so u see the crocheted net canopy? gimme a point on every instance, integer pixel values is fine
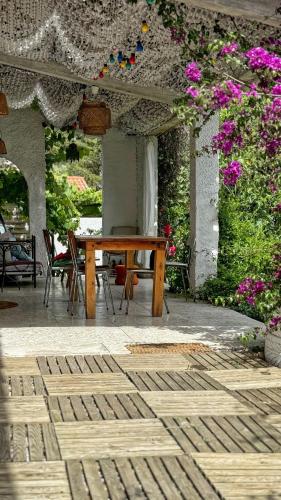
(81, 35)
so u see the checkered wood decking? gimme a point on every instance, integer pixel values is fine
(140, 426)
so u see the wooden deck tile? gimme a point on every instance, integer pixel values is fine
(19, 366)
(126, 438)
(194, 403)
(98, 407)
(28, 442)
(173, 381)
(224, 434)
(254, 378)
(243, 475)
(26, 385)
(23, 409)
(274, 420)
(225, 360)
(34, 481)
(152, 477)
(90, 383)
(265, 401)
(154, 362)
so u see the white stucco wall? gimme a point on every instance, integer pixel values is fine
(23, 135)
(119, 180)
(204, 187)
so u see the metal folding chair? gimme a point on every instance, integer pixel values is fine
(79, 271)
(51, 267)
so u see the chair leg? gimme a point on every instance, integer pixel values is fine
(81, 288)
(104, 291)
(123, 292)
(184, 283)
(166, 304)
(48, 284)
(109, 292)
(98, 280)
(131, 279)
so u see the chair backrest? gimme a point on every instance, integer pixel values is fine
(73, 248)
(48, 245)
(124, 230)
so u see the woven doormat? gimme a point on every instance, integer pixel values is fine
(4, 304)
(166, 348)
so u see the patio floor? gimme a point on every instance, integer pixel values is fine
(202, 426)
(31, 330)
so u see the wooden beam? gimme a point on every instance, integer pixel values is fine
(263, 11)
(59, 71)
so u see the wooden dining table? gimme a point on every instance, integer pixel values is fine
(129, 245)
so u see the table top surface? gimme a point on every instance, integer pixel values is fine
(131, 238)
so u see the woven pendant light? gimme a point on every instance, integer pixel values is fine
(3, 150)
(94, 118)
(4, 110)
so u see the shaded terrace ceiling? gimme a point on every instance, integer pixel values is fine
(50, 48)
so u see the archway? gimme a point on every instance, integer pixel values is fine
(23, 135)
(14, 206)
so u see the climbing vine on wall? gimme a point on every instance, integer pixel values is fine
(173, 195)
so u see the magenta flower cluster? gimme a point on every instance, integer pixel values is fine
(193, 72)
(226, 138)
(249, 289)
(260, 58)
(223, 94)
(192, 91)
(275, 321)
(230, 48)
(231, 173)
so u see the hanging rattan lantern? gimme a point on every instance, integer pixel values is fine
(3, 150)
(4, 110)
(94, 118)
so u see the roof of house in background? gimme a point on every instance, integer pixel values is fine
(78, 182)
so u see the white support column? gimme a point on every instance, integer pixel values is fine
(204, 187)
(119, 180)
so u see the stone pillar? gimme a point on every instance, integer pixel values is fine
(119, 180)
(23, 134)
(204, 187)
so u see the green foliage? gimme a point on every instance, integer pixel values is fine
(249, 226)
(65, 204)
(13, 190)
(173, 194)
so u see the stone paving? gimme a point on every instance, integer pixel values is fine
(30, 329)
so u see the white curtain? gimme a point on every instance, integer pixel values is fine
(150, 192)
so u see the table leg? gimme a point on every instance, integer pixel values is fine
(90, 279)
(129, 262)
(158, 282)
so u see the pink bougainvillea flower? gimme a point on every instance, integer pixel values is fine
(276, 90)
(275, 321)
(260, 58)
(232, 173)
(228, 127)
(192, 72)
(192, 91)
(172, 250)
(229, 49)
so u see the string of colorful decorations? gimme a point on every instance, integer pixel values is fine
(119, 57)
